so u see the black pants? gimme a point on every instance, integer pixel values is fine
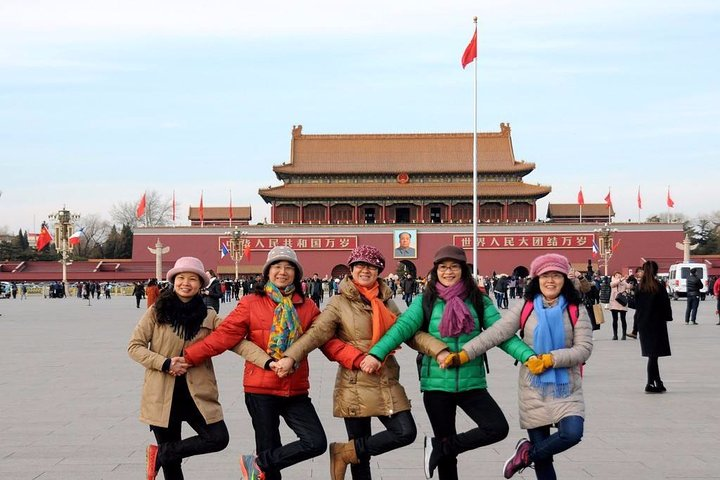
(299, 414)
(172, 448)
(614, 314)
(441, 408)
(400, 431)
(653, 370)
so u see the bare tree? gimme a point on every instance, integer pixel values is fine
(158, 211)
(95, 231)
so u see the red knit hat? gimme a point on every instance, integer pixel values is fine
(550, 262)
(367, 254)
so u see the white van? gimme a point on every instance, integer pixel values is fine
(5, 289)
(677, 277)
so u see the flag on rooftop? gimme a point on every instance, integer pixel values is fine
(608, 200)
(141, 207)
(639, 199)
(581, 198)
(670, 202)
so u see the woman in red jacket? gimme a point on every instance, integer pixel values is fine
(273, 317)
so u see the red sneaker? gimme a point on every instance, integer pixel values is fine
(250, 469)
(151, 454)
(520, 460)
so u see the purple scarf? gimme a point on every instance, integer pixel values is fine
(456, 318)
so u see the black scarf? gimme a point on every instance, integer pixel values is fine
(184, 318)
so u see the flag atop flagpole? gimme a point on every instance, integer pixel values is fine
(470, 52)
(140, 211)
(639, 202)
(608, 202)
(669, 201)
(75, 237)
(469, 55)
(201, 210)
(581, 201)
(173, 207)
(44, 239)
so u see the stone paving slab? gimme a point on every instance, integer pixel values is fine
(69, 400)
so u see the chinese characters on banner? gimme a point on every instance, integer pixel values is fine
(543, 241)
(302, 243)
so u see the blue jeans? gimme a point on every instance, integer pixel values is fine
(693, 301)
(299, 414)
(569, 434)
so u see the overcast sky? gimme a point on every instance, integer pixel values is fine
(101, 100)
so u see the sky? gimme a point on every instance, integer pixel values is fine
(102, 100)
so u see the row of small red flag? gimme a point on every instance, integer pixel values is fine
(608, 199)
(142, 204)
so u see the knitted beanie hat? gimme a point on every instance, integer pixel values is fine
(282, 253)
(367, 254)
(550, 262)
(189, 264)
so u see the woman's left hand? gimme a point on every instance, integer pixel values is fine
(370, 364)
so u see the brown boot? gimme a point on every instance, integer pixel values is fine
(341, 455)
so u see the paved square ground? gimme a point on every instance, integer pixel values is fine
(69, 398)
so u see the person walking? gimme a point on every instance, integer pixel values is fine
(358, 317)
(694, 285)
(152, 292)
(550, 385)
(652, 313)
(408, 288)
(618, 285)
(453, 310)
(716, 292)
(139, 292)
(273, 318)
(169, 396)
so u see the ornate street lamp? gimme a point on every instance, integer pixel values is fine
(64, 222)
(605, 246)
(237, 247)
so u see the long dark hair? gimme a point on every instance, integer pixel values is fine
(649, 282)
(568, 290)
(297, 281)
(430, 294)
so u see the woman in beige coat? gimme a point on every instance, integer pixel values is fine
(351, 324)
(550, 388)
(169, 397)
(618, 285)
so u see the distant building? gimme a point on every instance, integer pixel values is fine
(571, 213)
(401, 178)
(220, 216)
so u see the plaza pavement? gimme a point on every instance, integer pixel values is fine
(69, 398)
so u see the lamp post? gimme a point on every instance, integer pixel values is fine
(605, 246)
(64, 221)
(237, 242)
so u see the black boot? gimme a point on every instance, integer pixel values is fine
(660, 386)
(651, 388)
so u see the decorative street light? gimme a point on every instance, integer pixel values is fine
(64, 221)
(605, 246)
(237, 247)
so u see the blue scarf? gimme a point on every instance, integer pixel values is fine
(549, 335)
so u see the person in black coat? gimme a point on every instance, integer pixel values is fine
(213, 292)
(694, 284)
(652, 314)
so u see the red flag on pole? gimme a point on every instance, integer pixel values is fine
(470, 53)
(173, 205)
(230, 210)
(670, 202)
(639, 199)
(246, 251)
(608, 200)
(201, 210)
(141, 207)
(581, 198)
(44, 238)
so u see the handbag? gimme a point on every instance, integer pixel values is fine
(622, 299)
(599, 313)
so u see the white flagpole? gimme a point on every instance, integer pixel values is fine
(475, 162)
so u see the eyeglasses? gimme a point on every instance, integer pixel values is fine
(448, 268)
(365, 266)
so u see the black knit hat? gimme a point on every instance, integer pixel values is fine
(450, 252)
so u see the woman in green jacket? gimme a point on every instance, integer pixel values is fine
(453, 309)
